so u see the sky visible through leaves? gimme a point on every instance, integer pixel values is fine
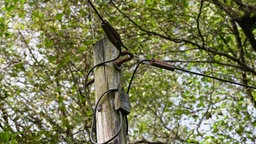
(46, 51)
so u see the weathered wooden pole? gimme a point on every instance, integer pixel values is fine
(107, 77)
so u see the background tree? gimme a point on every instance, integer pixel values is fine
(46, 52)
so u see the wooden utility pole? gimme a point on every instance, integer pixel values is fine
(107, 77)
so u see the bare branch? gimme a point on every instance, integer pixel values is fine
(198, 23)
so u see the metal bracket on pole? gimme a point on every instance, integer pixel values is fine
(161, 64)
(127, 57)
(122, 102)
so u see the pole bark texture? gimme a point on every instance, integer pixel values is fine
(107, 77)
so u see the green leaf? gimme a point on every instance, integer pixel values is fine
(59, 16)
(13, 142)
(254, 123)
(5, 136)
(51, 59)
(148, 2)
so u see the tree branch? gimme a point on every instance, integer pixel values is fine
(198, 23)
(144, 141)
(176, 40)
(247, 23)
(245, 8)
(244, 75)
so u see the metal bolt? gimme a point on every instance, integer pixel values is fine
(99, 108)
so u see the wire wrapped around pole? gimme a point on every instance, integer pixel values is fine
(93, 126)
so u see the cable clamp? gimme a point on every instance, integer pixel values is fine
(127, 57)
(122, 102)
(161, 64)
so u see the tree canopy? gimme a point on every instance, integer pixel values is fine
(46, 51)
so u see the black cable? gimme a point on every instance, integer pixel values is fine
(90, 71)
(191, 72)
(96, 11)
(134, 72)
(216, 78)
(129, 86)
(93, 126)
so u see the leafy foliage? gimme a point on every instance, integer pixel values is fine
(46, 51)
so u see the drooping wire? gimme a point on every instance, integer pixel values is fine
(129, 86)
(133, 74)
(93, 126)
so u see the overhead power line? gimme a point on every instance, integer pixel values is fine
(216, 78)
(168, 66)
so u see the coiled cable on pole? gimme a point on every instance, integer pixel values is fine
(93, 126)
